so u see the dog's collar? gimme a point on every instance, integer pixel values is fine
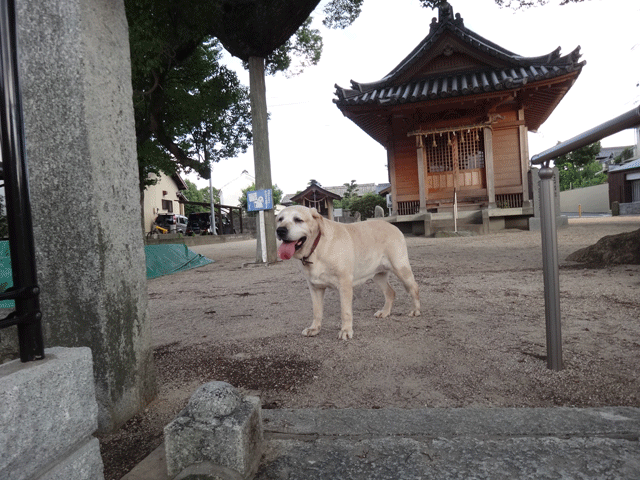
(305, 260)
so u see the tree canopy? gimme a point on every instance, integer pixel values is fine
(580, 168)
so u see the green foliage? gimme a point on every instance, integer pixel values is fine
(305, 46)
(350, 194)
(189, 109)
(193, 194)
(580, 168)
(366, 205)
(625, 155)
(341, 13)
(242, 202)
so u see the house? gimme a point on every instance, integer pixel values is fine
(608, 155)
(453, 117)
(624, 186)
(163, 197)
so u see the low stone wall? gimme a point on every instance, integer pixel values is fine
(48, 417)
(630, 208)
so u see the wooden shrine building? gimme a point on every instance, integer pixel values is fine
(314, 196)
(453, 117)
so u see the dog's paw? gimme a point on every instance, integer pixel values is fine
(381, 314)
(345, 334)
(414, 313)
(310, 332)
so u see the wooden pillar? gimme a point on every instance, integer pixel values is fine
(422, 184)
(524, 159)
(391, 165)
(488, 166)
(454, 160)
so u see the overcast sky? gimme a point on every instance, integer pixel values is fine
(310, 138)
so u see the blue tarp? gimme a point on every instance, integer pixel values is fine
(161, 260)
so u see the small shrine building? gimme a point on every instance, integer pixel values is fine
(453, 117)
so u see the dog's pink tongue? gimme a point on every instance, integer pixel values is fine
(286, 250)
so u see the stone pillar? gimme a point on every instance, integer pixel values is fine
(561, 220)
(218, 429)
(83, 172)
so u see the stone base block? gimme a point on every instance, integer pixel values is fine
(219, 427)
(49, 413)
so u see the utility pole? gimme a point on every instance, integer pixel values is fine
(262, 161)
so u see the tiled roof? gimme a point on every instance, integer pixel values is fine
(495, 69)
(627, 166)
(453, 85)
(361, 189)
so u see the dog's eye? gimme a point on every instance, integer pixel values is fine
(298, 220)
(279, 219)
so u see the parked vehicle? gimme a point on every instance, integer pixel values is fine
(172, 222)
(199, 224)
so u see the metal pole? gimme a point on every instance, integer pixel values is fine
(550, 268)
(21, 242)
(213, 214)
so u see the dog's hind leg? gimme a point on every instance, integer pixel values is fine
(404, 273)
(382, 280)
(317, 298)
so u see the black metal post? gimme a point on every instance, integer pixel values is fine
(27, 315)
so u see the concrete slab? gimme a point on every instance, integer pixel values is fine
(465, 443)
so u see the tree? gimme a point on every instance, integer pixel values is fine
(189, 110)
(193, 194)
(350, 194)
(366, 205)
(580, 168)
(276, 194)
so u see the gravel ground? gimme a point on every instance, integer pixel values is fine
(479, 342)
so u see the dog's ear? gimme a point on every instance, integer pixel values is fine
(315, 214)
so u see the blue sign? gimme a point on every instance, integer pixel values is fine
(259, 200)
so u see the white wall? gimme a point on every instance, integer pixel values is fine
(153, 197)
(592, 199)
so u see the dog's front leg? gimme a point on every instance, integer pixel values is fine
(346, 305)
(317, 297)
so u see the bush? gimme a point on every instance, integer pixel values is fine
(366, 205)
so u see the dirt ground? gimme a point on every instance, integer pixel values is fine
(480, 341)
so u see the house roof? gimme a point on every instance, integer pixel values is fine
(610, 153)
(627, 166)
(361, 189)
(339, 191)
(453, 61)
(314, 190)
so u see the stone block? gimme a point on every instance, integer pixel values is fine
(49, 413)
(218, 426)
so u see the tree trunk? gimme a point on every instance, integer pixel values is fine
(266, 247)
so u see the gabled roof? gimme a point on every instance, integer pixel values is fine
(453, 61)
(316, 190)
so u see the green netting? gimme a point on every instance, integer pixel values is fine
(6, 277)
(171, 258)
(161, 260)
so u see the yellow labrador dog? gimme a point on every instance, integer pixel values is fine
(340, 256)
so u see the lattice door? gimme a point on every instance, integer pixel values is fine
(455, 159)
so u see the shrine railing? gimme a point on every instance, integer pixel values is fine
(25, 291)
